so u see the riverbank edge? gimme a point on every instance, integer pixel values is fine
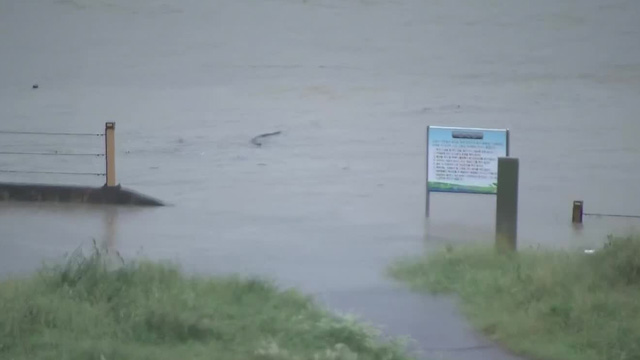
(540, 303)
(150, 309)
(117, 195)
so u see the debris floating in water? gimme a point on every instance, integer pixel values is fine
(257, 139)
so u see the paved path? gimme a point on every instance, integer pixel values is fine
(434, 323)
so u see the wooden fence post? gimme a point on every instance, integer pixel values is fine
(110, 152)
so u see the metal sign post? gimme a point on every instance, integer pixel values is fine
(507, 205)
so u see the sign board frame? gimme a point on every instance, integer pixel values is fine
(466, 135)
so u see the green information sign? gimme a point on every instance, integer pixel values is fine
(464, 160)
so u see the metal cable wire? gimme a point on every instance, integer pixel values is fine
(47, 133)
(45, 153)
(613, 215)
(55, 153)
(51, 172)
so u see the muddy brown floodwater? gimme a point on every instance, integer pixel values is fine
(328, 203)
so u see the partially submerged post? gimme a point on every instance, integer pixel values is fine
(110, 153)
(507, 204)
(577, 213)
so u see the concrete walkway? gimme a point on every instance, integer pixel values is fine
(358, 285)
(434, 323)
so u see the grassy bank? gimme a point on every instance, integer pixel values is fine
(548, 305)
(145, 310)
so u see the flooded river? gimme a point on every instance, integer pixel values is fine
(352, 85)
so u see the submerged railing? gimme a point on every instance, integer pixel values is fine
(107, 152)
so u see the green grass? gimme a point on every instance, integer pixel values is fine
(544, 304)
(88, 309)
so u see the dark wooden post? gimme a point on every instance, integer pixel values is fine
(507, 204)
(578, 211)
